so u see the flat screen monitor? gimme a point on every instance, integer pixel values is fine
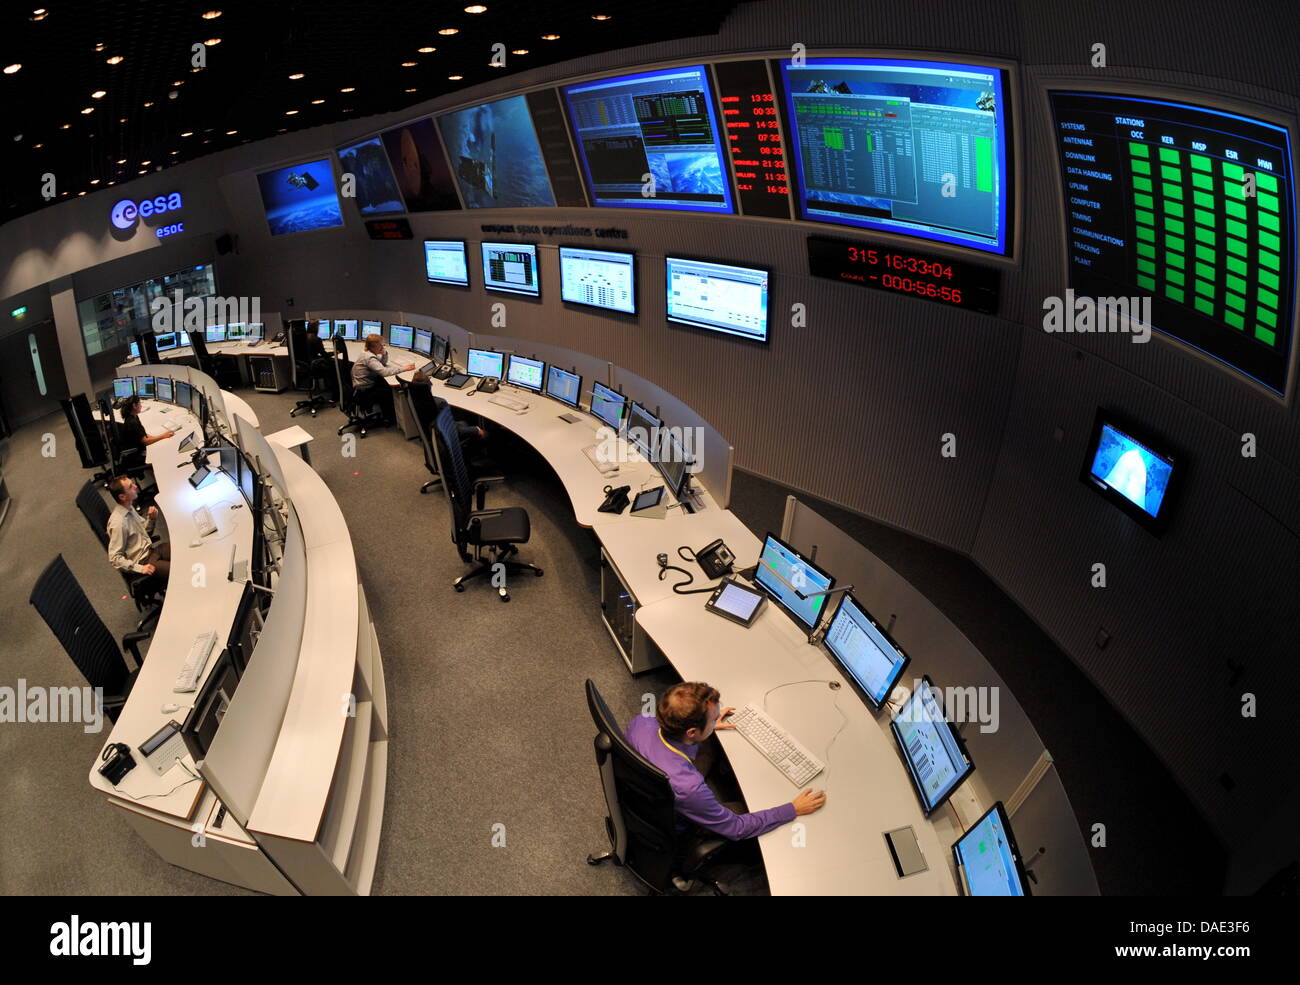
(123, 386)
(440, 350)
(401, 336)
(215, 333)
(1181, 219)
(236, 333)
(608, 405)
(496, 157)
(199, 406)
(598, 278)
(1131, 470)
(673, 463)
(164, 388)
(445, 262)
(144, 386)
(257, 330)
(783, 573)
(324, 330)
(184, 340)
(248, 482)
(134, 350)
(988, 859)
(184, 395)
(483, 362)
(300, 198)
(204, 718)
(511, 267)
(231, 461)
(718, 296)
(864, 651)
(932, 749)
(643, 431)
(661, 123)
(420, 167)
(563, 385)
(369, 328)
(423, 342)
(347, 327)
(901, 146)
(527, 373)
(375, 189)
(166, 341)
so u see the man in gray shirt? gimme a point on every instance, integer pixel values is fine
(369, 377)
(130, 542)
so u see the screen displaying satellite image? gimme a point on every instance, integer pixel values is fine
(300, 198)
(494, 152)
(376, 191)
(420, 168)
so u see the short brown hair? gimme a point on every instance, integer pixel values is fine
(118, 485)
(371, 339)
(685, 706)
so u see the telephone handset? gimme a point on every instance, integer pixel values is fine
(616, 499)
(488, 384)
(715, 559)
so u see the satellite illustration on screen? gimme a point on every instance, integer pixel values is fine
(1134, 472)
(494, 151)
(300, 198)
(419, 167)
(376, 191)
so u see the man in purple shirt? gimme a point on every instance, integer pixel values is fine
(686, 716)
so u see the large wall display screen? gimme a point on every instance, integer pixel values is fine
(902, 146)
(376, 191)
(657, 124)
(420, 167)
(300, 198)
(495, 155)
(1191, 208)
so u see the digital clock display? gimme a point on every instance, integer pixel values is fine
(749, 119)
(933, 278)
(389, 228)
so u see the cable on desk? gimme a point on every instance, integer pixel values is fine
(834, 686)
(680, 586)
(149, 796)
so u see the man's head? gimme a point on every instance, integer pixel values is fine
(688, 712)
(124, 489)
(419, 377)
(375, 344)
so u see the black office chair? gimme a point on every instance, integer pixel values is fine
(311, 369)
(642, 820)
(424, 405)
(223, 368)
(472, 525)
(145, 590)
(72, 619)
(358, 416)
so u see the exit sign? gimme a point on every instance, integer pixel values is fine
(18, 312)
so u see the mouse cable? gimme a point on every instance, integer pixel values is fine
(834, 685)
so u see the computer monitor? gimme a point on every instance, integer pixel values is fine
(673, 463)
(400, 336)
(229, 459)
(324, 329)
(257, 330)
(249, 483)
(144, 386)
(210, 705)
(199, 406)
(236, 333)
(184, 394)
(607, 405)
(134, 350)
(245, 629)
(511, 267)
(933, 751)
(988, 859)
(371, 328)
(1131, 471)
(215, 333)
(184, 340)
(563, 385)
(530, 374)
(166, 341)
(721, 297)
(598, 278)
(486, 363)
(423, 342)
(440, 350)
(643, 431)
(123, 386)
(782, 572)
(164, 388)
(445, 262)
(347, 327)
(864, 651)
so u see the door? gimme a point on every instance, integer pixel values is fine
(31, 374)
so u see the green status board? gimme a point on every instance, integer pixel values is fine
(1191, 207)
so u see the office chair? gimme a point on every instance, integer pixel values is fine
(310, 365)
(124, 461)
(424, 406)
(358, 417)
(642, 820)
(70, 616)
(224, 369)
(471, 525)
(145, 590)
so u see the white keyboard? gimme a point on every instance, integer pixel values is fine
(171, 425)
(593, 455)
(195, 661)
(501, 400)
(203, 520)
(781, 749)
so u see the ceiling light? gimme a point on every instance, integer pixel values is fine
(188, 133)
(94, 181)
(88, 110)
(450, 30)
(282, 130)
(212, 41)
(123, 161)
(178, 82)
(196, 68)
(144, 171)
(66, 126)
(173, 94)
(317, 102)
(477, 8)
(122, 120)
(550, 37)
(349, 89)
(290, 112)
(79, 194)
(410, 90)
(519, 51)
(174, 152)
(17, 137)
(408, 64)
(427, 50)
(11, 69)
(98, 94)
(602, 17)
(231, 133)
(148, 104)
(211, 15)
(115, 60)
(348, 109)
(145, 164)
(39, 14)
(296, 76)
(101, 46)
(455, 78)
(37, 146)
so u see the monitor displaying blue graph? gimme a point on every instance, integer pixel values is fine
(784, 574)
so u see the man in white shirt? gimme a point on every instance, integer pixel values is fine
(370, 373)
(130, 541)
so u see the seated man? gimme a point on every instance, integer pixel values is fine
(369, 377)
(470, 434)
(686, 716)
(130, 542)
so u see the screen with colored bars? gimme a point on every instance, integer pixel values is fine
(527, 373)
(325, 330)
(988, 855)
(864, 651)
(902, 146)
(1188, 215)
(782, 572)
(510, 267)
(164, 389)
(934, 757)
(598, 278)
(347, 327)
(444, 262)
(481, 362)
(123, 387)
(563, 385)
(215, 333)
(371, 328)
(400, 336)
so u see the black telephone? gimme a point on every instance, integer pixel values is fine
(488, 384)
(118, 762)
(616, 499)
(716, 559)
(444, 371)
(278, 340)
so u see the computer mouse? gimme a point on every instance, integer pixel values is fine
(168, 709)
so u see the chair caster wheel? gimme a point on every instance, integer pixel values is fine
(505, 598)
(459, 588)
(313, 413)
(363, 432)
(340, 432)
(539, 572)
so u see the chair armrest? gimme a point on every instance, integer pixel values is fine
(480, 488)
(484, 514)
(698, 852)
(132, 641)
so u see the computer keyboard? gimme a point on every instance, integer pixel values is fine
(593, 455)
(501, 400)
(171, 425)
(781, 749)
(203, 520)
(195, 661)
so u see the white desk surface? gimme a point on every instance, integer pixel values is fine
(189, 610)
(868, 791)
(290, 437)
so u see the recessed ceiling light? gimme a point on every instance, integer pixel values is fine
(11, 69)
(348, 89)
(196, 68)
(519, 51)
(94, 181)
(550, 37)
(348, 109)
(17, 137)
(290, 112)
(148, 104)
(450, 30)
(476, 8)
(188, 133)
(79, 194)
(496, 65)
(427, 50)
(66, 126)
(115, 60)
(123, 161)
(212, 41)
(98, 94)
(122, 120)
(101, 46)
(144, 171)
(178, 82)
(317, 102)
(455, 78)
(602, 17)
(231, 133)
(282, 130)
(297, 75)
(410, 90)
(408, 64)
(211, 15)
(37, 146)
(39, 14)
(88, 110)
(174, 152)
(173, 94)
(145, 164)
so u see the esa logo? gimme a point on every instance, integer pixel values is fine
(126, 212)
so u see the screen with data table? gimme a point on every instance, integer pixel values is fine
(511, 267)
(865, 651)
(718, 296)
(599, 278)
(445, 263)
(935, 759)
